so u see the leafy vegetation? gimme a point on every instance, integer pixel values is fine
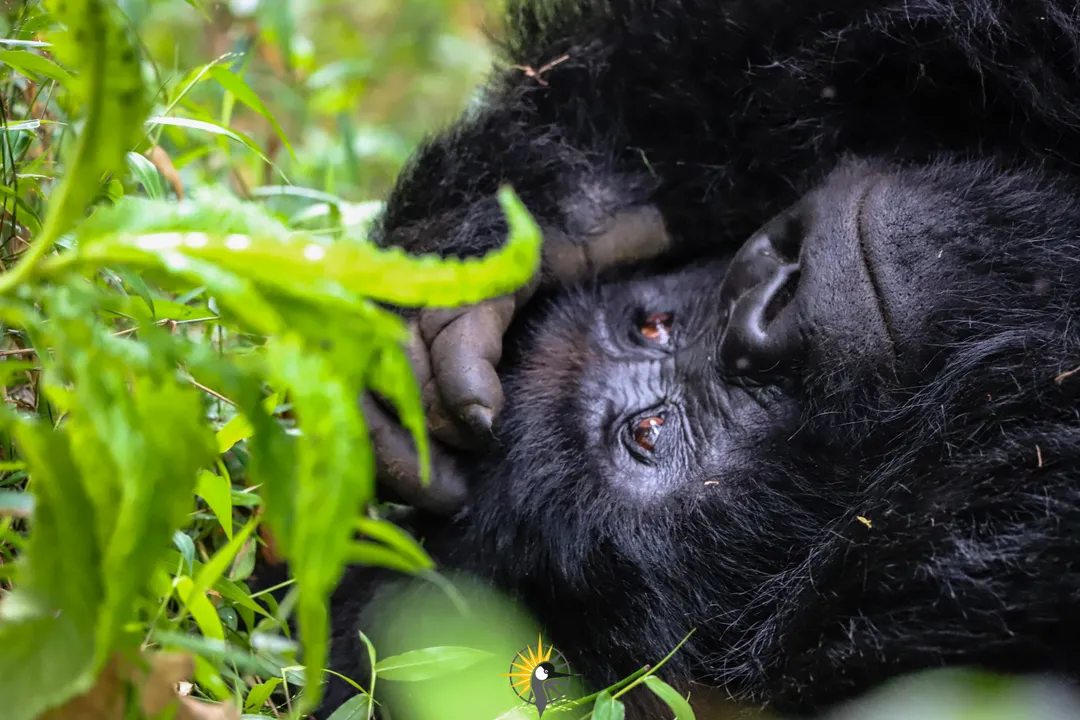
(183, 354)
(189, 310)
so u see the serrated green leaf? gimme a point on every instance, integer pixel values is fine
(428, 663)
(299, 264)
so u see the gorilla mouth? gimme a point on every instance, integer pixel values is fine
(862, 239)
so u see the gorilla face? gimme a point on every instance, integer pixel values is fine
(685, 451)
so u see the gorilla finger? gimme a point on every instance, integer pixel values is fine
(397, 465)
(434, 320)
(630, 235)
(463, 360)
(418, 355)
(441, 423)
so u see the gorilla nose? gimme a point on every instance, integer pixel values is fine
(761, 331)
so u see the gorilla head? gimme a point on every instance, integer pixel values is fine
(841, 454)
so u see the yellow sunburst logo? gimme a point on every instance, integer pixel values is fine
(524, 665)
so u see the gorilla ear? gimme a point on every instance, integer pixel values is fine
(397, 466)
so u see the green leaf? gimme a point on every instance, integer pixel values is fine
(217, 492)
(428, 663)
(210, 127)
(397, 539)
(200, 607)
(32, 65)
(240, 89)
(358, 707)
(47, 648)
(147, 175)
(671, 698)
(608, 708)
(183, 542)
(372, 554)
(109, 86)
(298, 264)
(259, 694)
(219, 563)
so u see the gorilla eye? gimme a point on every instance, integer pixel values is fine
(657, 328)
(647, 431)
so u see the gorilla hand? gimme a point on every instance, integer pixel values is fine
(455, 350)
(454, 353)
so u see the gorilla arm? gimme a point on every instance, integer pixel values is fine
(710, 115)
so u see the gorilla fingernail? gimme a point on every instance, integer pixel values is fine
(478, 417)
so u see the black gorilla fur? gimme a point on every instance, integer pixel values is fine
(956, 434)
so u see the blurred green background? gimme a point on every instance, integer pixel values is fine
(353, 86)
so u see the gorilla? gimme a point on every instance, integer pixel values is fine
(800, 368)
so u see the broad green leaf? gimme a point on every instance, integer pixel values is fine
(240, 90)
(31, 65)
(217, 492)
(238, 428)
(393, 379)
(608, 708)
(671, 698)
(428, 663)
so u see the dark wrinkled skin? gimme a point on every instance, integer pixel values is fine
(870, 459)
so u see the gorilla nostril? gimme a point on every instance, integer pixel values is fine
(760, 283)
(760, 337)
(786, 234)
(783, 295)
